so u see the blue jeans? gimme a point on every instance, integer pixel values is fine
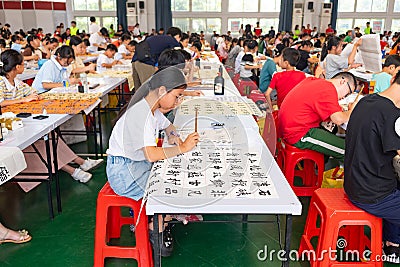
(389, 210)
(128, 178)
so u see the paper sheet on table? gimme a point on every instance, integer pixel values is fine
(371, 54)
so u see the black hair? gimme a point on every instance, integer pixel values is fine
(397, 78)
(53, 40)
(252, 44)
(248, 58)
(2, 43)
(7, 25)
(186, 54)
(278, 50)
(184, 36)
(132, 43)
(92, 19)
(112, 47)
(104, 32)
(10, 59)
(197, 45)
(14, 38)
(125, 37)
(73, 22)
(65, 51)
(30, 39)
(173, 31)
(392, 60)
(75, 40)
(329, 44)
(306, 43)
(347, 75)
(86, 42)
(171, 57)
(291, 55)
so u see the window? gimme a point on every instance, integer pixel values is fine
(94, 5)
(82, 23)
(206, 5)
(371, 5)
(377, 25)
(270, 5)
(343, 25)
(243, 6)
(180, 5)
(266, 24)
(107, 21)
(397, 6)
(346, 5)
(207, 25)
(182, 23)
(396, 25)
(108, 5)
(234, 23)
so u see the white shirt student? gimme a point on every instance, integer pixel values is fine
(96, 40)
(94, 27)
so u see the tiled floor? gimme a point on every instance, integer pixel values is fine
(67, 240)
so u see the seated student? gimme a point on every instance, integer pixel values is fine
(54, 71)
(106, 60)
(127, 47)
(196, 49)
(333, 62)
(389, 69)
(224, 47)
(49, 45)
(14, 91)
(313, 101)
(248, 64)
(16, 43)
(233, 53)
(2, 45)
(97, 40)
(268, 71)
(372, 141)
(305, 49)
(285, 81)
(16, 237)
(31, 51)
(248, 46)
(79, 49)
(132, 145)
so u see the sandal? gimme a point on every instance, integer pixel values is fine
(23, 237)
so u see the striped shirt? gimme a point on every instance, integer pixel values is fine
(18, 91)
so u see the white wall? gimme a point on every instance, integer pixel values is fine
(14, 18)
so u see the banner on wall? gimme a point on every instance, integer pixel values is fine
(235, 25)
(377, 26)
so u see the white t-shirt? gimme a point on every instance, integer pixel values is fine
(122, 49)
(96, 38)
(136, 129)
(103, 59)
(94, 27)
(238, 61)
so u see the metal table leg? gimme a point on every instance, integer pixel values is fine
(288, 236)
(49, 169)
(157, 241)
(100, 131)
(54, 143)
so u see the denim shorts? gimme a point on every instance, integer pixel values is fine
(128, 178)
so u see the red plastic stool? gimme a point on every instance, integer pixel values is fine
(246, 86)
(236, 80)
(108, 225)
(336, 211)
(289, 156)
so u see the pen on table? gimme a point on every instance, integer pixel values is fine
(195, 119)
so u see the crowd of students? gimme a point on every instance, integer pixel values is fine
(278, 62)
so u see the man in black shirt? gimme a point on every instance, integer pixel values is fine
(372, 141)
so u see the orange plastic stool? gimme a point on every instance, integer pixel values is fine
(289, 156)
(246, 86)
(108, 225)
(336, 211)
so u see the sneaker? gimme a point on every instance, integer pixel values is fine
(81, 175)
(167, 244)
(391, 254)
(91, 164)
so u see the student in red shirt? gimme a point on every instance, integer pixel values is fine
(329, 30)
(285, 81)
(313, 101)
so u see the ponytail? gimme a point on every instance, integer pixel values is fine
(329, 43)
(9, 59)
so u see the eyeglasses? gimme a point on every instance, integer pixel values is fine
(179, 98)
(348, 85)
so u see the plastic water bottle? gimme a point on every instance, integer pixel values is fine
(84, 82)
